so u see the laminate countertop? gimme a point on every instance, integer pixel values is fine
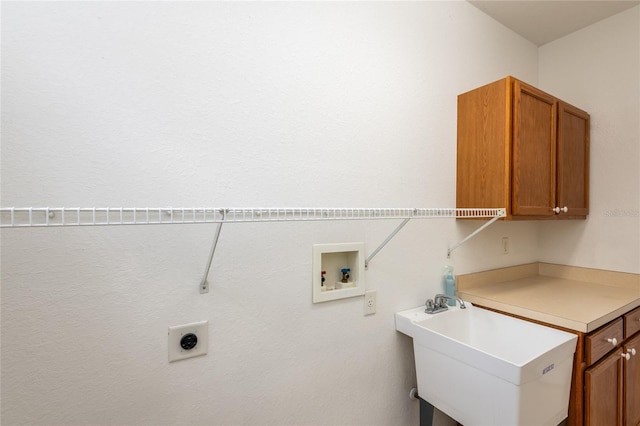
(580, 299)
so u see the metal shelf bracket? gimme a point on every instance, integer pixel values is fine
(384, 243)
(204, 284)
(501, 214)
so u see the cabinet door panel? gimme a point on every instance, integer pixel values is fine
(603, 392)
(573, 159)
(632, 383)
(534, 151)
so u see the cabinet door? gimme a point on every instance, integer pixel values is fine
(572, 160)
(603, 392)
(632, 383)
(534, 151)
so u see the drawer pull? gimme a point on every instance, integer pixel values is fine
(625, 356)
(632, 351)
(613, 341)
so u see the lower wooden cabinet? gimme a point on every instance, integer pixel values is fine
(612, 376)
(603, 392)
(631, 369)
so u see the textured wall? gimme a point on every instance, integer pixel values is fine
(598, 70)
(231, 104)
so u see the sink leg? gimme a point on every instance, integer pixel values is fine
(426, 413)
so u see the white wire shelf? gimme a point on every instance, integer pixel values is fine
(30, 217)
(20, 217)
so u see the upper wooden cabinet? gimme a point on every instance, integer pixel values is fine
(522, 149)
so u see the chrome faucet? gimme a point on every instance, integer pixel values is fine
(439, 303)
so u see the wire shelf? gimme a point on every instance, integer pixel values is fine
(19, 217)
(26, 217)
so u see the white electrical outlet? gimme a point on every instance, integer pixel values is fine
(505, 245)
(188, 341)
(369, 302)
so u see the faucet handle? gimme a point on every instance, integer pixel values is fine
(441, 300)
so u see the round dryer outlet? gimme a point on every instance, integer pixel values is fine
(188, 341)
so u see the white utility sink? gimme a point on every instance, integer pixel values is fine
(484, 368)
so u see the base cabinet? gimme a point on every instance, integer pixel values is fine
(612, 374)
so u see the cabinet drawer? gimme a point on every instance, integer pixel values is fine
(631, 323)
(597, 344)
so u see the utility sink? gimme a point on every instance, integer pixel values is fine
(484, 368)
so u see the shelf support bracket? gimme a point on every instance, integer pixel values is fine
(384, 243)
(204, 284)
(501, 214)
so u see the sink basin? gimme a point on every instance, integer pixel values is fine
(484, 368)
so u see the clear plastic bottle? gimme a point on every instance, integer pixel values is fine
(450, 285)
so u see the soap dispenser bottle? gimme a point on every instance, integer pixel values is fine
(450, 285)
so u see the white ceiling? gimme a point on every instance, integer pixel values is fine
(543, 21)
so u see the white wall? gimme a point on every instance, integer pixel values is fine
(231, 104)
(598, 70)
